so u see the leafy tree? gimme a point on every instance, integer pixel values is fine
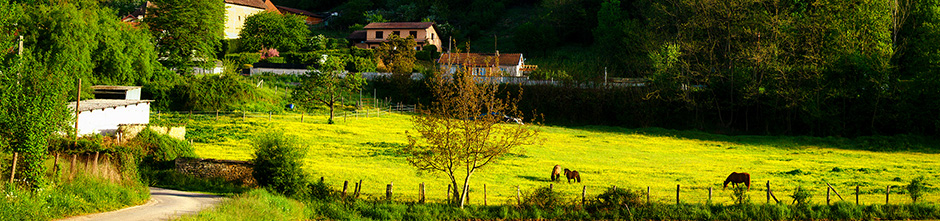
(461, 131)
(271, 30)
(278, 161)
(327, 85)
(32, 110)
(186, 31)
(398, 54)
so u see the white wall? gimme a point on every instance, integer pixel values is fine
(106, 121)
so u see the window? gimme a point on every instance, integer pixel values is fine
(396, 33)
(413, 34)
(379, 34)
(432, 36)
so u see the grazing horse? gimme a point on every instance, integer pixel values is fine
(556, 173)
(736, 178)
(572, 175)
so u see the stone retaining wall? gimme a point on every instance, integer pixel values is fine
(238, 172)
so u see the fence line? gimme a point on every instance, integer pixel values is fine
(681, 195)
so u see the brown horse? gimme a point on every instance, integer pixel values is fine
(736, 178)
(556, 173)
(572, 175)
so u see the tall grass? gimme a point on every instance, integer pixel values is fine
(257, 204)
(82, 195)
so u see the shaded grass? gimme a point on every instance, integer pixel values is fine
(256, 204)
(365, 149)
(83, 195)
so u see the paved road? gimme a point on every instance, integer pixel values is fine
(164, 204)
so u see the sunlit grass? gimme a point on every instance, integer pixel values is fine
(365, 148)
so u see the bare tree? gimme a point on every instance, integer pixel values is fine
(465, 129)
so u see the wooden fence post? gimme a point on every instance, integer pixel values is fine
(677, 194)
(551, 186)
(828, 189)
(269, 116)
(647, 194)
(358, 188)
(388, 192)
(301, 116)
(768, 191)
(72, 166)
(709, 194)
(518, 197)
(13, 169)
(421, 197)
(484, 194)
(96, 163)
(216, 115)
(856, 195)
(321, 179)
(345, 185)
(583, 192)
(55, 164)
(887, 192)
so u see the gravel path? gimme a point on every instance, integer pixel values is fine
(164, 204)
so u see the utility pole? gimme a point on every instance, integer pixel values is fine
(21, 46)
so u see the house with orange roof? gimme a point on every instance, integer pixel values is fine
(484, 64)
(375, 34)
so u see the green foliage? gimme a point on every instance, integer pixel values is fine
(739, 195)
(542, 198)
(277, 164)
(398, 54)
(616, 199)
(186, 31)
(162, 148)
(801, 196)
(915, 189)
(212, 93)
(256, 204)
(82, 195)
(166, 176)
(244, 58)
(326, 86)
(285, 33)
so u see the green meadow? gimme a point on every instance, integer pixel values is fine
(365, 148)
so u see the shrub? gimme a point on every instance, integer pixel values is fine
(801, 196)
(160, 147)
(916, 187)
(542, 198)
(616, 199)
(275, 60)
(277, 164)
(739, 195)
(244, 58)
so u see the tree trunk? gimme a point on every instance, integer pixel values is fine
(466, 187)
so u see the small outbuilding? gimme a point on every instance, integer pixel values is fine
(103, 116)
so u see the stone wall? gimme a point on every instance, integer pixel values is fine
(238, 172)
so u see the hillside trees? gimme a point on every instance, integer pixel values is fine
(462, 131)
(398, 54)
(186, 31)
(285, 33)
(327, 85)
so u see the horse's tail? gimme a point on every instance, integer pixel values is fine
(577, 176)
(747, 180)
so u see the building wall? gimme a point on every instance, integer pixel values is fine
(235, 18)
(106, 121)
(238, 172)
(429, 35)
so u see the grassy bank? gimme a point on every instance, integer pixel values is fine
(365, 149)
(83, 195)
(256, 204)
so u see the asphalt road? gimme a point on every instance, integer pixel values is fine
(164, 204)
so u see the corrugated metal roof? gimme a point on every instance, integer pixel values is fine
(399, 25)
(114, 87)
(98, 104)
(480, 59)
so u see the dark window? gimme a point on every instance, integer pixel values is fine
(413, 34)
(379, 34)
(396, 33)
(432, 35)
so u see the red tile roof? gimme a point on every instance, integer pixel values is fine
(480, 59)
(399, 25)
(359, 35)
(249, 3)
(298, 12)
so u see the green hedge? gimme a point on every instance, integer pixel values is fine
(244, 58)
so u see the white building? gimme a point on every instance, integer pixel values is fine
(103, 116)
